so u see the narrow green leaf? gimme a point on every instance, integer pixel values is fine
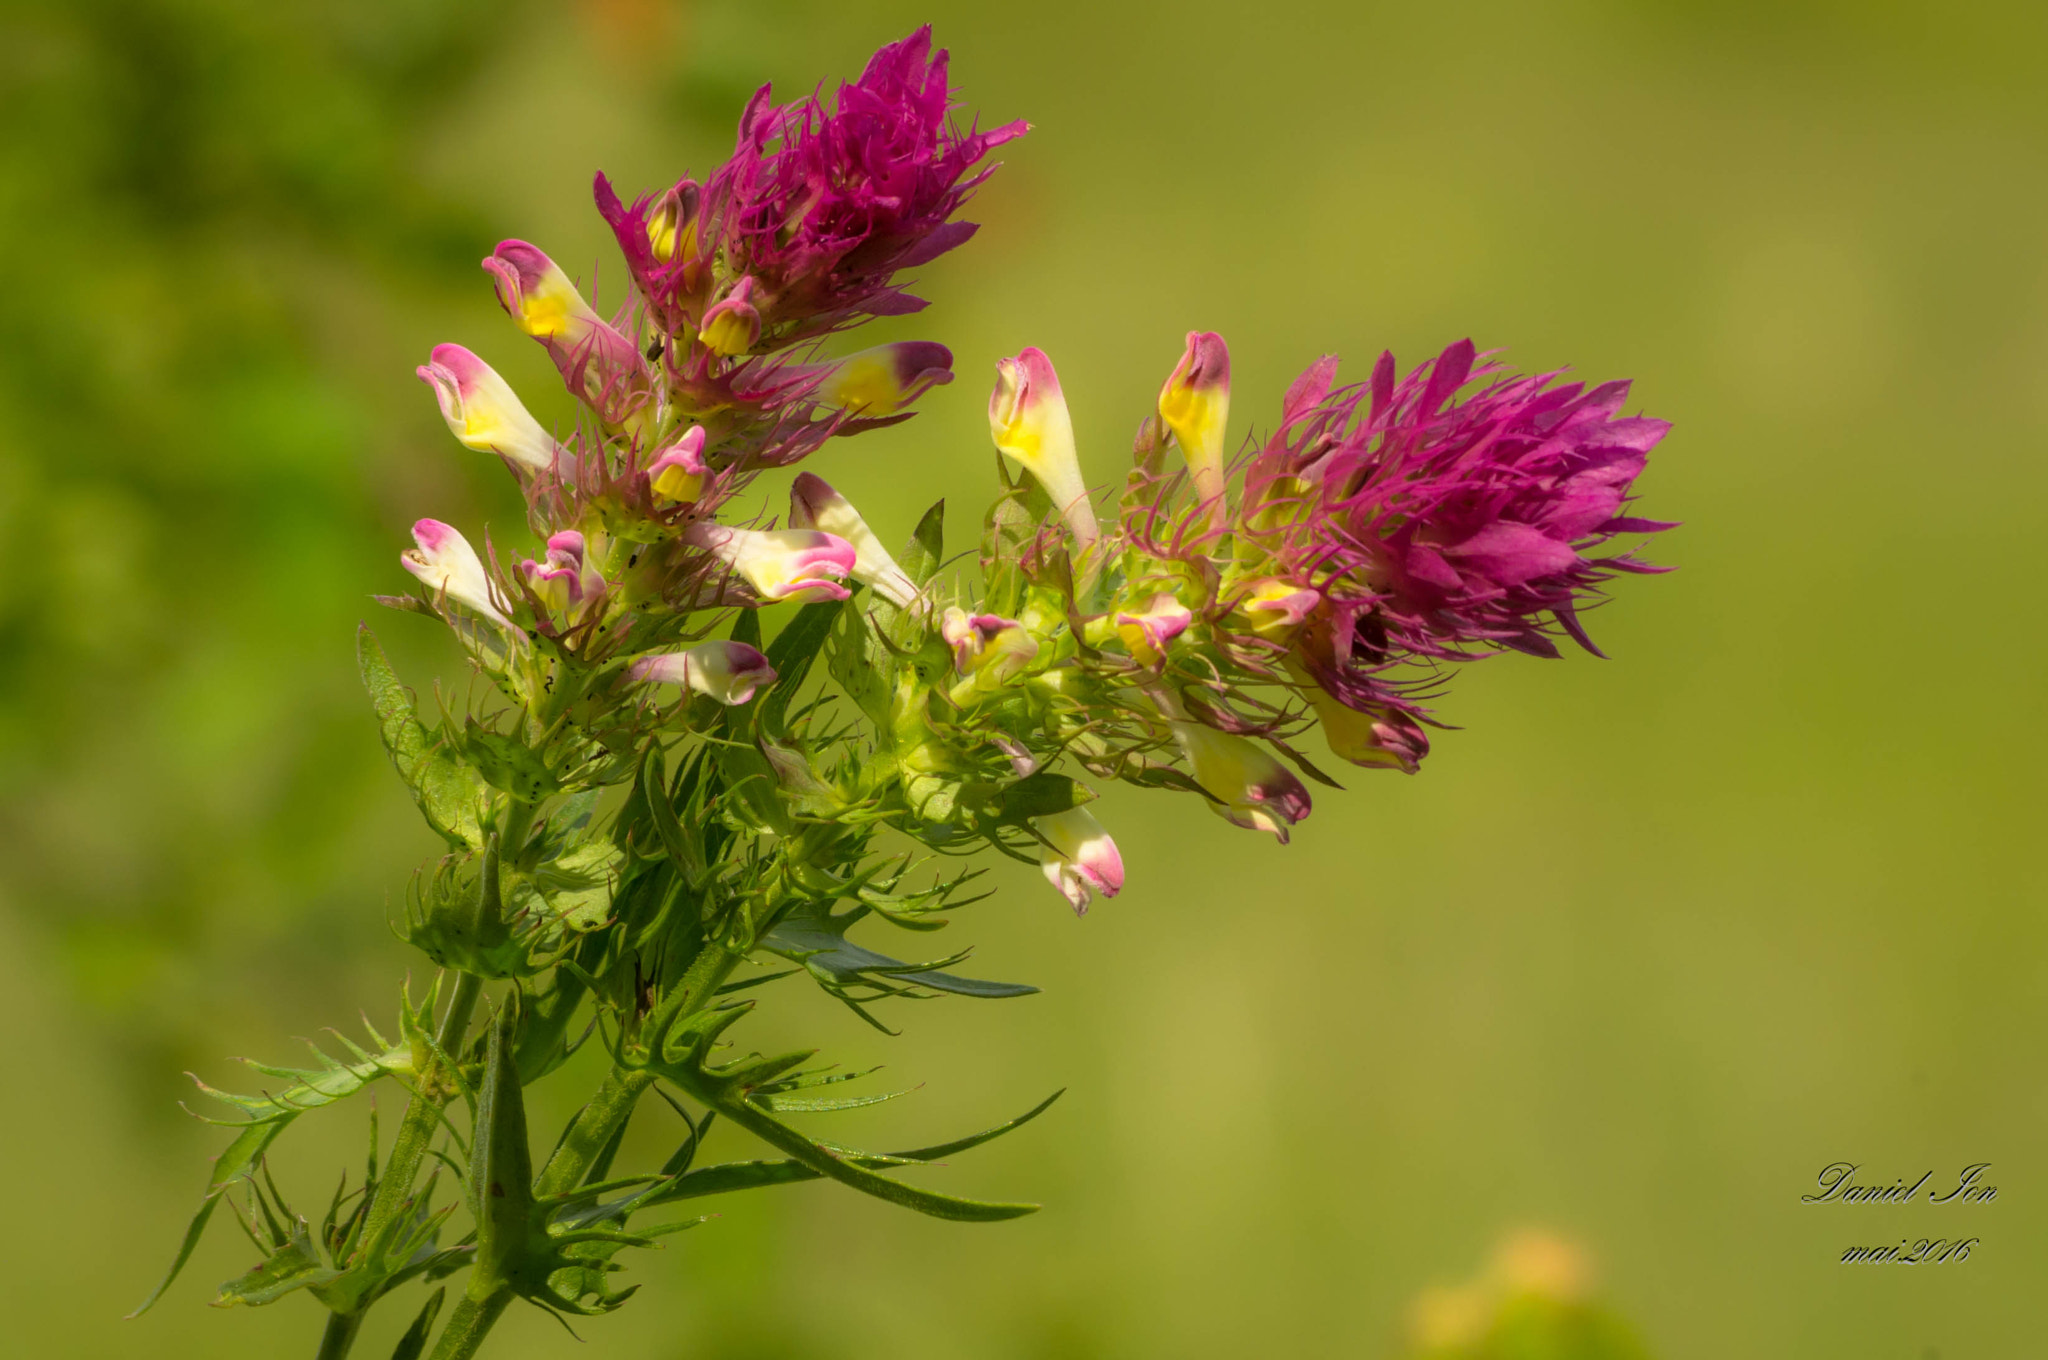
(232, 1164)
(926, 549)
(414, 1343)
(292, 1267)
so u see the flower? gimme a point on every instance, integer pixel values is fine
(1147, 632)
(733, 326)
(1275, 609)
(781, 564)
(599, 364)
(1027, 417)
(678, 471)
(1460, 522)
(1079, 858)
(879, 382)
(446, 565)
(1195, 404)
(1248, 787)
(1382, 735)
(566, 583)
(988, 648)
(729, 672)
(813, 504)
(482, 410)
(824, 205)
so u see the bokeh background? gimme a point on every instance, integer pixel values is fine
(1648, 942)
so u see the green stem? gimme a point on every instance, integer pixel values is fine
(422, 1116)
(472, 1321)
(339, 1336)
(623, 1086)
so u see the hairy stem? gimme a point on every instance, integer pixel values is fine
(623, 1086)
(339, 1336)
(471, 1322)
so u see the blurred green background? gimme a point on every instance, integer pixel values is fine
(1647, 943)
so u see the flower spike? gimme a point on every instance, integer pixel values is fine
(483, 412)
(1195, 404)
(1027, 416)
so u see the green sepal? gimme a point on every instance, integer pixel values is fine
(1043, 794)
(507, 763)
(451, 795)
(926, 550)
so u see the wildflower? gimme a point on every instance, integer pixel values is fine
(823, 205)
(1275, 609)
(1079, 858)
(482, 410)
(672, 225)
(1248, 787)
(733, 326)
(447, 566)
(987, 648)
(781, 564)
(729, 672)
(1195, 404)
(1027, 416)
(1146, 632)
(879, 382)
(1471, 522)
(1380, 735)
(599, 364)
(813, 504)
(566, 583)
(678, 471)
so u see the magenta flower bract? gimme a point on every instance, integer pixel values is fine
(822, 203)
(1449, 526)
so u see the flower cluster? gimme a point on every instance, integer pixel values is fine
(798, 721)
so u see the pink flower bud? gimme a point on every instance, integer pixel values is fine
(729, 672)
(566, 583)
(1027, 416)
(678, 471)
(813, 504)
(1079, 858)
(672, 224)
(1250, 788)
(987, 647)
(482, 410)
(1147, 632)
(733, 326)
(882, 381)
(781, 564)
(1195, 403)
(1387, 738)
(448, 567)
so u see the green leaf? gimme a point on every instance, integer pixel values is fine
(818, 941)
(232, 1164)
(451, 795)
(414, 1343)
(292, 1267)
(733, 1176)
(926, 549)
(791, 654)
(310, 1087)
